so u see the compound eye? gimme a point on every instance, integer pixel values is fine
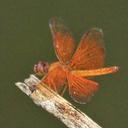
(41, 68)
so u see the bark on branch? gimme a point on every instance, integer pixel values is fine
(49, 100)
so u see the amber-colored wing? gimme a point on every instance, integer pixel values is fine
(90, 53)
(96, 72)
(62, 40)
(55, 79)
(81, 89)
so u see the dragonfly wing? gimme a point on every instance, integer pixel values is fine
(62, 40)
(90, 53)
(55, 78)
(96, 72)
(80, 89)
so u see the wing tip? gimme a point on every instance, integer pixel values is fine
(52, 21)
(96, 29)
(85, 101)
(57, 24)
(55, 20)
(115, 69)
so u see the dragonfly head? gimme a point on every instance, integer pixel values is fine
(41, 68)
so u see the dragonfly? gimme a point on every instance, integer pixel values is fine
(76, 66)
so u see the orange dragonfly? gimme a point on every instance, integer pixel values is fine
(75, 67)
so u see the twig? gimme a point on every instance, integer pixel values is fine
(49, 100)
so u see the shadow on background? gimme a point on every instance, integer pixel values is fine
(25, 38)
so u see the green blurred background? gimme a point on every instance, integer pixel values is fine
(25, 38)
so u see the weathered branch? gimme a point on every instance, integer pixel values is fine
(43, 96)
